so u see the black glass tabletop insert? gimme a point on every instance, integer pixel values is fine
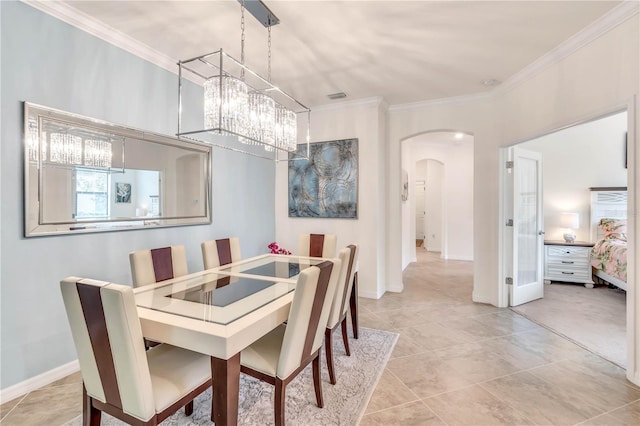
(223, 291)
(278, 269)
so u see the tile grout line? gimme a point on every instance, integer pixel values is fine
(607, 412)
(502, 400)
(434, 413)
(14, 407)
(567, 338)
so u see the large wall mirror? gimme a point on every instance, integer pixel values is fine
(86, 175)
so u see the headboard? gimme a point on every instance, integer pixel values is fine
(607, 203)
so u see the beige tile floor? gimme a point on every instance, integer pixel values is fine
(455, 363)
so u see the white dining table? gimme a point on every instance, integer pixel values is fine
(219, 312)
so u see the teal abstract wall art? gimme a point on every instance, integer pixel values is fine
(325, 185)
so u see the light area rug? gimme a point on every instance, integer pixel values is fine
(592, 318)
(344, 403)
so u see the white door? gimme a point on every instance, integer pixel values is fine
(420, 212)
(527, 239)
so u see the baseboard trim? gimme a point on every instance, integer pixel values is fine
(370, 294)
(465, 258)
(481, 299)
(29, 385)
(395, 288)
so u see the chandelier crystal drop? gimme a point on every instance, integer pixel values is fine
(97, 153)
(261, 118)
(286, 130)
(65, 148)
(226, 104)
(34, 142)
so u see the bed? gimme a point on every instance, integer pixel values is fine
(609, 233)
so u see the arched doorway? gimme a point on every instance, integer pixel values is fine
(454, 151)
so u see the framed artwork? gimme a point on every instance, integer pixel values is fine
(123, 192)
(325, 185)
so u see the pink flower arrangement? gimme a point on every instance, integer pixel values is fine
(277, 250)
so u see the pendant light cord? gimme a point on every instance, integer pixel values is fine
(242, 37)
(269, 56)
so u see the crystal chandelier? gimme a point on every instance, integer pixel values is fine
(68, 149)
(262, 115)
(226, 101)
(241, 103)
(59, 144)
(33, 142)
(97, 153)
(65, 149)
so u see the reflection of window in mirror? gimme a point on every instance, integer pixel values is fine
(92, 194)
(155, 205)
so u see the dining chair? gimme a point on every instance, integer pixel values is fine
(155, 265)
(317, 245)
(119, 377)
(220, 252)
(340, 306)
(159, 264)
(279, 356)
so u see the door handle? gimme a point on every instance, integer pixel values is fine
(540, 232)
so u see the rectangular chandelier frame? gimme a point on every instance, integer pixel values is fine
(219, 63)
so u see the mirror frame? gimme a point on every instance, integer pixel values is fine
(33, 223)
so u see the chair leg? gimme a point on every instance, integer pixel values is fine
(278, 402)
(328, 346)
(353, 305)
(188, 409)
(317, 383)
(90, 415)
(345, 338)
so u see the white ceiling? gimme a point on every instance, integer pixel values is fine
(403, 51)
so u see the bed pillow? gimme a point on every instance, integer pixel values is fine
(613, 229)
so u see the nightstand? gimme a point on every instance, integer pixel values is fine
(568, 262)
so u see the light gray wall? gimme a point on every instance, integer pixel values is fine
(575, 159)
(51, 63)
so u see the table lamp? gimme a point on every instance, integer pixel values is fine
(570, 221)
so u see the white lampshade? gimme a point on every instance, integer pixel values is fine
(570, 220)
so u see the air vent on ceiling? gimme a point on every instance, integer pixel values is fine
(338, 95)
(490, 82)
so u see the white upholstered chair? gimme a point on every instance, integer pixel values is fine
(279, 356)
(317, 245)
(220, 252)
(155, 265)
(119, 377)
(340, 306)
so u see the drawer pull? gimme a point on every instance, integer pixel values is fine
(568, 273)
(570, 263)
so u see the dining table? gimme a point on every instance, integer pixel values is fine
(221, 311)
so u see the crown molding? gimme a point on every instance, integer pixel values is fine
(364, 102)
(616, 16)
(601, 26)
(432, 102)
(597, 29)
(99, 29)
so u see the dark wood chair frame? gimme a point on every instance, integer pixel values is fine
(92, 409)
(342, 321)
(308, 356)
(281, 384)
